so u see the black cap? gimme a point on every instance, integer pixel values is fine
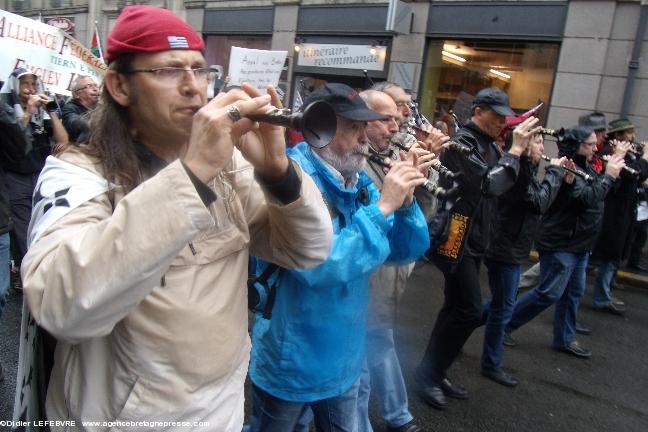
(594, 120)
(345, 101)
(495, 99)
(571, 139)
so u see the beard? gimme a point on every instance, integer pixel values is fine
(348, 164)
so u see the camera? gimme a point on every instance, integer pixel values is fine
(51, 105)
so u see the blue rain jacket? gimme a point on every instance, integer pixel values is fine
(313, 346)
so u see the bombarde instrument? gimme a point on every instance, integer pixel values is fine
(625, 168)
(317, 122)
(400, 140)
(429, 185)
(575, 171)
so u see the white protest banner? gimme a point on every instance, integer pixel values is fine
(257, 67)
(53, 55)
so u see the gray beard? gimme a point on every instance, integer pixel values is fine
(348, 165)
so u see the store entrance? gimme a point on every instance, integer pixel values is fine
(304, 84)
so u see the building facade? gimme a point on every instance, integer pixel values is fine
(572, 56)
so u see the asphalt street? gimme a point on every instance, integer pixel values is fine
(557, 392)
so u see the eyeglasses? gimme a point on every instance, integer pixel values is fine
(175, 75)
(589, 143)
(88, 86)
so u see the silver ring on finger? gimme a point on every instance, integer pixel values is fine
(234, 113)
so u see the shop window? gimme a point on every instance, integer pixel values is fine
(60, 3)
(19, 5)
(457, 69)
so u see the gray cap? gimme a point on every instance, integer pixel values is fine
(594, 120)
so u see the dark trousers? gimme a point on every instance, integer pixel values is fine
(460, 316)
(640, 236)
(20, 188)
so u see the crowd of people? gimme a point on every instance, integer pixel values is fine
(141, 216)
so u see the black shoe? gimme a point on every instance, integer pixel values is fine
(454, 391)
(509, 341)
(500, 377)
(583, 329)
(410, 426)
(611, 308)
(433, 396)
(575, 349)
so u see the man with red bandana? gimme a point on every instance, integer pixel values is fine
(140, 239)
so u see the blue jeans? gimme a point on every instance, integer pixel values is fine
(271, 414)
(382, 375)
(602, 289)
(562, 281)
(4, 270)
(503, 280)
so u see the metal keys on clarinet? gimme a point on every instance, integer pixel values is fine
(401, 139)
(576, 171)
(429, 185)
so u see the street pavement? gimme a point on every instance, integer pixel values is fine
(557, 392)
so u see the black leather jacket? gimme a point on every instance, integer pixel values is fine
(74, 117)
(486, 174)
(518, 213)
(620, 213)
(13, 144)
(573, 221)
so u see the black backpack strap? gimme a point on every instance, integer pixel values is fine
(270, 290)
(263, 277)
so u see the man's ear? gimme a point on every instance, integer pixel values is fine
(118, 86)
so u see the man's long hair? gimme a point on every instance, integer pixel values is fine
(111, 136)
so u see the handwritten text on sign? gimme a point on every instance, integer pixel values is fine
(53, 55)
(342, 56)
(257, 67)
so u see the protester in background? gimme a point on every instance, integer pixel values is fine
(565, 239)
(13, 145)
(619, 216)
(309, 353)
(596, 121)
(75, 113)
(486, 174)
(514, 226)
(142, 276)
(382, 376)
(401, 98)
(640, 235)
(429, 140)
(24, 93)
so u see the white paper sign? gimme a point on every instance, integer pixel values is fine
(56, 57)
(257, 67)
(342, 56)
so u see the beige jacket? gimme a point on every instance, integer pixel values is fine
(389, 281)
(148, 298)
